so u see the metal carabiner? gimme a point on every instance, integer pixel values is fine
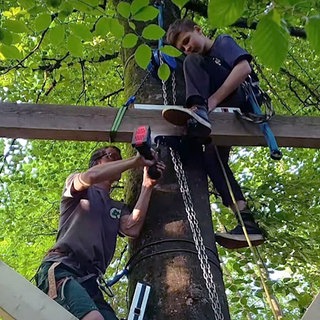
(103, 286)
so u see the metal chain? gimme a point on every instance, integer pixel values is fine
(164, 87)
(174, 91)
(197, 238)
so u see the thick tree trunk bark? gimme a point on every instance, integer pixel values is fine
(165, 256)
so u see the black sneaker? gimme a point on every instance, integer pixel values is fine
(199, 125)
(235, 238)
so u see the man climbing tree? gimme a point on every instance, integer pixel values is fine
(72, 271)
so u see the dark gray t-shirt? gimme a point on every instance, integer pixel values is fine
(88, 228)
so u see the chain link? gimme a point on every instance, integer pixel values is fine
(174, 91)
(196, 233)
(164, 87)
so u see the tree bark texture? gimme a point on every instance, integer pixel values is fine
(165, 257)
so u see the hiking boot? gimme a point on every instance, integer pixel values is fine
(235, 238)
(199, 125)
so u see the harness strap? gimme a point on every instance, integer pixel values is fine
(119, 116)
(52, 292)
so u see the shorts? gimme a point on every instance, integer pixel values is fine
(78, 299)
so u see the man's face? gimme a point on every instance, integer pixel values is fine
(191, 41)
(110, 155)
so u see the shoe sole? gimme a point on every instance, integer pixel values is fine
(179, 116)
(238, 241)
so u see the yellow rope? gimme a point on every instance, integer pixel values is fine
(274, 306)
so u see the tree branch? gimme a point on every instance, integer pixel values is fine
(112, 94)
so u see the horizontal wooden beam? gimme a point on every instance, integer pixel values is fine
(61, 122)
(21, 300)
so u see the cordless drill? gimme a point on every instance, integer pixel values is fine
(141, 141)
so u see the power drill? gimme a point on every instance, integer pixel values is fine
(141, 141)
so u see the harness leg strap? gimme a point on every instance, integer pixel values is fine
(52, 292)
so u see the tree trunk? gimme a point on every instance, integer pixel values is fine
(165, 256)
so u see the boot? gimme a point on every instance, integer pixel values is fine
(235, 238)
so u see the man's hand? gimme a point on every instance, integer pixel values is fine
(149, 182)
(141, 161)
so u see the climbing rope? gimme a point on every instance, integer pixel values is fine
(197, 237)
(121, 111)
(276, 311)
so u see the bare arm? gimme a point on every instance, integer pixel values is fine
(238, 74)
(131, 225)
(108, 171)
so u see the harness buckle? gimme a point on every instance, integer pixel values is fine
(103, 286)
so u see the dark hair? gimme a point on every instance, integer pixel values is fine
(97, 154)
(175, 28)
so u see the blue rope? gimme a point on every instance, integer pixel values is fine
(117, 277)
(160, 22)
(275, 153)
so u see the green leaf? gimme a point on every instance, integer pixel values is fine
(171, 51)
(137, 5)
(65, 10)
(143, 55)
(15, 26)
(81, 31)
(54, 3)
(26, 4)
(164, 72)
(146, 14)
(82, 6)
(93, 3)
(57, 34)
(75, 46)
(102, 26)
(180, 3)
(42, 22)
(153, 32)
(270, 43)
(9, 52)
(225, 12)
(129, 40)
(313, 32)
(132, 25)
(123, 9)
(116, 28)
(5, 36)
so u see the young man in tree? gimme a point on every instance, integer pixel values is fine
(214, 72)
(89, 224)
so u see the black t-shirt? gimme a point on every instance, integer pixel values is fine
(88, 228)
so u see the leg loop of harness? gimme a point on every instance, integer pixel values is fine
(52, 292)
(54, 285)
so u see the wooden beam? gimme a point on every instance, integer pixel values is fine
(313, 311)
(60, 122)
(4, 315)
(21, 300)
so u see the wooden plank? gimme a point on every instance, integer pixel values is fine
(313, 311)
(4, 315)
(21, 300)
(59, 122)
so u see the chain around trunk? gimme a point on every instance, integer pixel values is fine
(197, 237)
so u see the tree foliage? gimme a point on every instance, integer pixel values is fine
(70, 52)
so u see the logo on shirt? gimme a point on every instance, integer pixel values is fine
(115, 213)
